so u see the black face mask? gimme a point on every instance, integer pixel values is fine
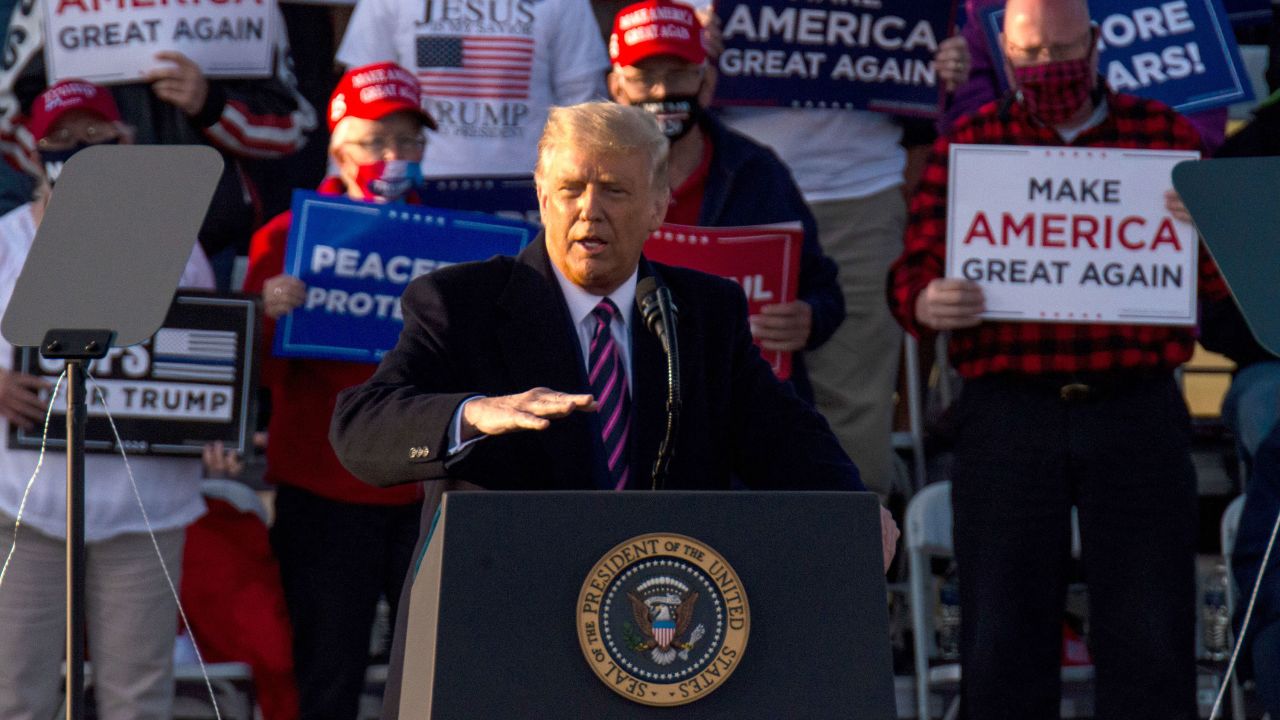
(676, 114)
(54, 159)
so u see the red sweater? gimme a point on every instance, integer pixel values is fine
(303, 393)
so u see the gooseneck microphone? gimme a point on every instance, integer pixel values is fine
(659, 314)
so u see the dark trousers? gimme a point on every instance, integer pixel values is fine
(336, 560)
(1120, 454)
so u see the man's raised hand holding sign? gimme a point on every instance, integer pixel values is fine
(950, 303)
(179, 82)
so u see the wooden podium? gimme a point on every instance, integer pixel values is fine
(650, 605)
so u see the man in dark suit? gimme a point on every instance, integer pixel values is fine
(484, 342)
(537, 372)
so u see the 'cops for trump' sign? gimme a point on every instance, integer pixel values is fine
(1071, 234)
(115, 41)
(191, 383)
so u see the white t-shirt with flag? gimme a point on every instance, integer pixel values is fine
(489, 71)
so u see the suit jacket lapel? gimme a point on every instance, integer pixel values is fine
(540, 348)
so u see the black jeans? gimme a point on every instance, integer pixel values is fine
(1119, 452)
(336, 560)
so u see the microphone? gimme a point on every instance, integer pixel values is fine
(657, 309)
(659, 312)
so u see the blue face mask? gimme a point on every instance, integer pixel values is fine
(54, 159)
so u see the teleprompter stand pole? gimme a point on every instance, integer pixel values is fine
(76, 347)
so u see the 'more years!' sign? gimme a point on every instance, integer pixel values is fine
(115, 41)
(1061, 234)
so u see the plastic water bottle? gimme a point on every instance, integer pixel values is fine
(949, 619)
(1215, 619)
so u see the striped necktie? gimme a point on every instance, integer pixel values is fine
(608, 378)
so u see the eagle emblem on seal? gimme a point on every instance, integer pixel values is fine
(662, 608)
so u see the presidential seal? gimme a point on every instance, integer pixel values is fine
(663, 619)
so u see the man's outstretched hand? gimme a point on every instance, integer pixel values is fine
(530, 410)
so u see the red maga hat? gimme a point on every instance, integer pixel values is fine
(66, 96)
(372, 92)
(653, 28)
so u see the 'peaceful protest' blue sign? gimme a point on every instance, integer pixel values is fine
(509, 196)
(356, 259)
(832, 54)
(1182, 53)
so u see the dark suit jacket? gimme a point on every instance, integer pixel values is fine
(501, 326)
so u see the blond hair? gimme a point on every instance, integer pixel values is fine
(605, 128)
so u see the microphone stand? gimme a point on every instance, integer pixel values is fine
(664, 327)
(659, 315)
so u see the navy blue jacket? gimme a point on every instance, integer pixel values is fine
(748, 185)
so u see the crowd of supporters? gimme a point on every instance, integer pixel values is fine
(858, 182)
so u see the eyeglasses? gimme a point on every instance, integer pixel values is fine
(379, 145)
(1045, 53)
(91, 133)
(648, 79)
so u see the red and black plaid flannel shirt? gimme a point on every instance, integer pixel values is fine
(1035, 348)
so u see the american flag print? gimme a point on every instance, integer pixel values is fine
(191, 354)
(664, 631)
(475, 66)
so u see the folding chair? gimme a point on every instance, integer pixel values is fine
(1230, 524)
(232, 684)
(928, 535)
(913, 438)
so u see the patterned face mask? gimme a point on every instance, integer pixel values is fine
(676, 114)
(1056, 90)
(388, 180)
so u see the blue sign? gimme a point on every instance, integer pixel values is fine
(832, 54)
(1181, 52)
(509, 196)
(356, 259)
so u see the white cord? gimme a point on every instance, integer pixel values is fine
(44, 437)
(204, 671)
(1248, 615)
